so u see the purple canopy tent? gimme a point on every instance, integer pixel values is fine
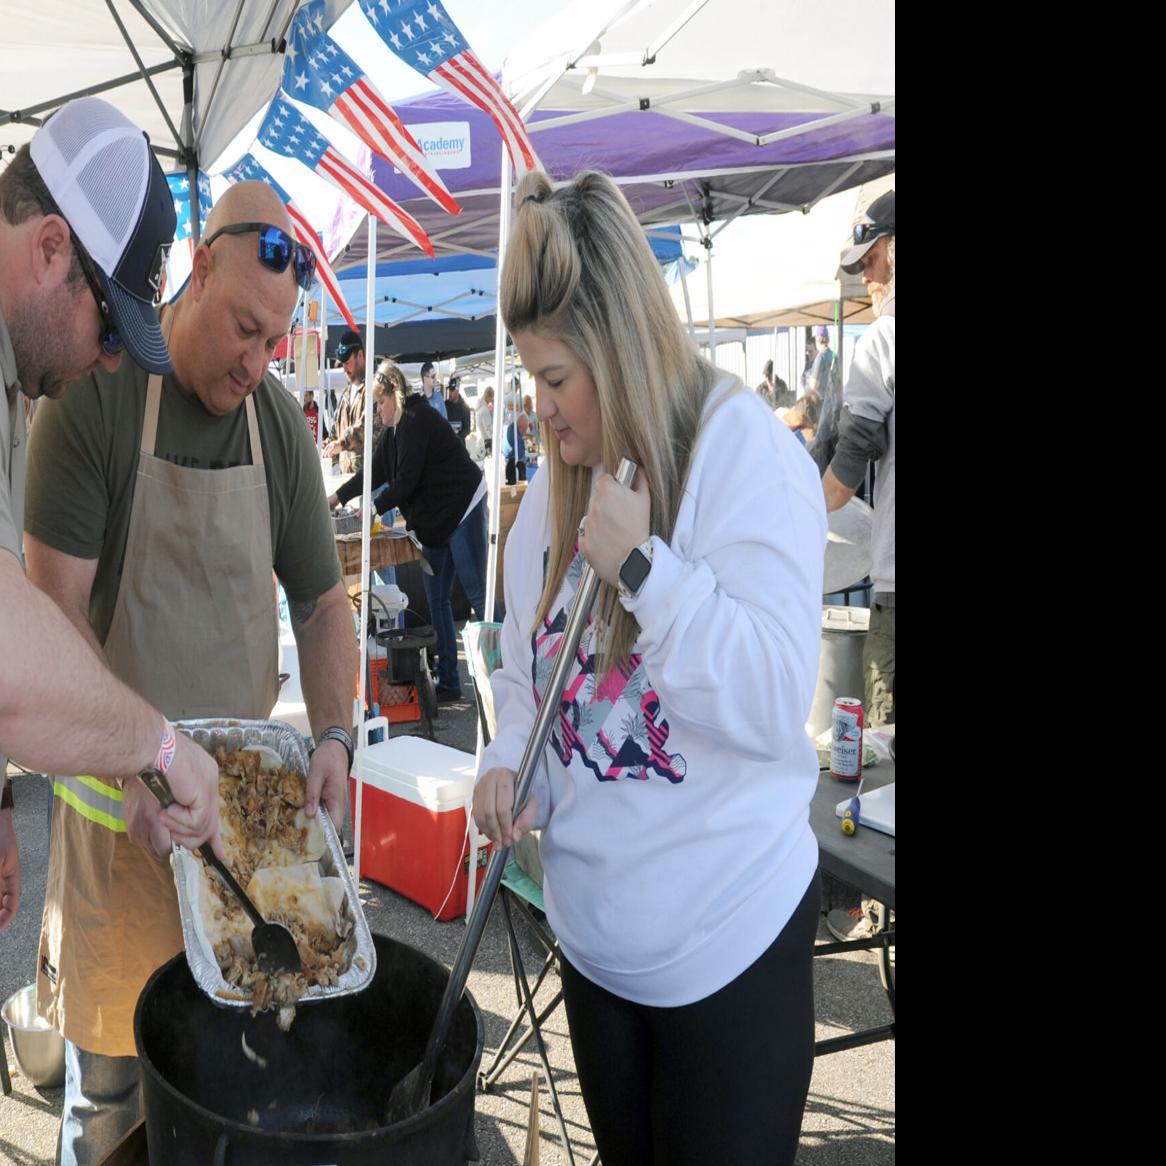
(670, 171)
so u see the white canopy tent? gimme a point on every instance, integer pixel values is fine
(191, 73)
(780, 272)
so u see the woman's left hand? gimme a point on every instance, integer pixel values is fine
(617, 520)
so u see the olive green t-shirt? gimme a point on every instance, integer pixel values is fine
(83, 460)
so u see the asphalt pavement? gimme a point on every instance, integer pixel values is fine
(850, 1112)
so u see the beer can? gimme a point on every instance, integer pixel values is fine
(846, 739)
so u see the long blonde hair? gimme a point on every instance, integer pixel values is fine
(579, 269)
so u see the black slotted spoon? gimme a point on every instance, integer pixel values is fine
(275, 948)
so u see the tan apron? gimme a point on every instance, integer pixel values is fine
(195, 631)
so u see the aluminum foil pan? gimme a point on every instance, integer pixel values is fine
(346, 523)
(286, 743)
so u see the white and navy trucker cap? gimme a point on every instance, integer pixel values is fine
(100, 171)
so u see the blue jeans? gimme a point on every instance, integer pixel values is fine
(103, 1102)
(465, 553)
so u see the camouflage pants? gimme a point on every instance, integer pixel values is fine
(878, 665)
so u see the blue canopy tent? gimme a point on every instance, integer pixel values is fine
(431, 309)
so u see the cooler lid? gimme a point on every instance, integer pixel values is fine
(441, 776)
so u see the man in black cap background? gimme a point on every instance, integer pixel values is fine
(86, 219)
(866, 433)
(347, 438)
(457, 411)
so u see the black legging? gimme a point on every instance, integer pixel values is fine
(723, 1080)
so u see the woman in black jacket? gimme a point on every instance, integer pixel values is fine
(442, 494)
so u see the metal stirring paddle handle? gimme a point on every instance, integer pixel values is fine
(411, 1094)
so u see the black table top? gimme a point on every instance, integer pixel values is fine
(866, 859)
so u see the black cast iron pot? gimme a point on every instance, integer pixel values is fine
(322, 1095)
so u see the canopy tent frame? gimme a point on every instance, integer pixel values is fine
(617, 103)
(613, 103)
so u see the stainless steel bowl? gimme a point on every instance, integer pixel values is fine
(39, 1048)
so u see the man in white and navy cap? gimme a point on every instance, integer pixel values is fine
(86, 219)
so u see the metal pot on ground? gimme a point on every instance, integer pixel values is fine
(322, 1093)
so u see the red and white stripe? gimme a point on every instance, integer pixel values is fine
(333, 167)
(371, 118)
(308, 237)
(465, 75)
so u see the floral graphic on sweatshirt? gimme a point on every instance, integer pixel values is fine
(614, 724)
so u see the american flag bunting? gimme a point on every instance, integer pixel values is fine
(181, 257)
(319, 73)
(422, 34)
(286, 131)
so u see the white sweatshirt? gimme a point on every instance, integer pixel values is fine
(675, 800)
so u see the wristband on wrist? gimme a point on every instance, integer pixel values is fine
(6, 802)
(167, 749)
(336, 733)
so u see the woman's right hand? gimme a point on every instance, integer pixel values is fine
(494, 806)
(333, 501)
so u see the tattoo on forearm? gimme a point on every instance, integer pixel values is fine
(301, 610)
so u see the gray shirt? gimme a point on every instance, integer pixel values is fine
(870, 400)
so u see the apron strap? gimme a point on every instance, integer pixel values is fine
(153, 406)
(253, 431)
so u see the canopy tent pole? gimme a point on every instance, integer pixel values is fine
(687, 301)
(142, 69)
(365, 521)
(188, 152)
(495, 485)
(302, 359)
(708, 243)
(322, 379)
(841, 322)
(494, 495)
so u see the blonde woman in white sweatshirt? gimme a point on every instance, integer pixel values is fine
(680, 867)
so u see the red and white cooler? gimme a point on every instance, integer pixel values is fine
(413, 834)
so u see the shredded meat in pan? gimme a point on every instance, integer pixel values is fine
(274, 852)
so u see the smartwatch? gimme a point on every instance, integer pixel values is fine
(336, 733)
(633, 571)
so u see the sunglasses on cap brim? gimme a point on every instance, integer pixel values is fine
(867, 232)
(276, 249)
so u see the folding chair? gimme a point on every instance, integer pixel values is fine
(519, 894)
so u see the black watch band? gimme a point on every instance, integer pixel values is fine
(337, 733)
(6, 802)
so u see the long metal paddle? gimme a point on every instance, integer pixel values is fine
(411, 1094)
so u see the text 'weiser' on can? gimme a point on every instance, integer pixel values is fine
(846, 739)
